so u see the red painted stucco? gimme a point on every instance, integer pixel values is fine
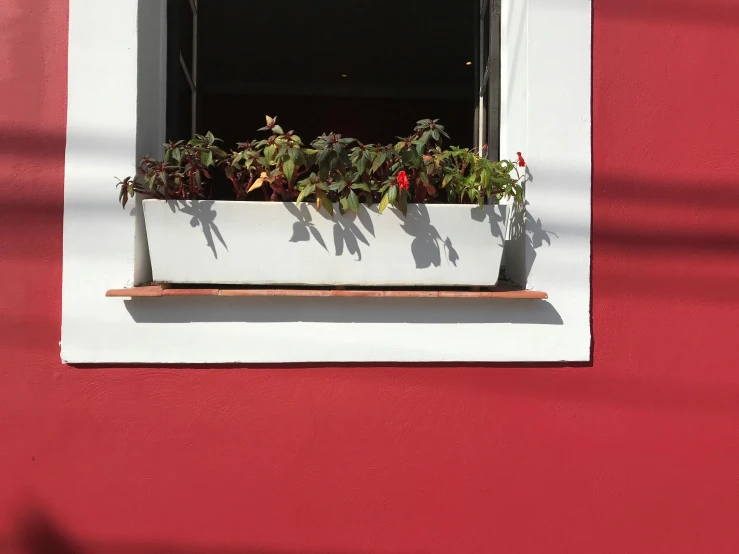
(638, 453)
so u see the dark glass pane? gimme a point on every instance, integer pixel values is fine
(179, 106)
(180, 25)
(489, 75)
(492, 92)
(485, 22)
(180, 42)
(368, 70)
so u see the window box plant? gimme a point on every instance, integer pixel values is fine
(336, 212)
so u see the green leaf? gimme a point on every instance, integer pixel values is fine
(353, 202)
(392, 194)
(383, 203)
(416, 158)
(277, 130)
(289, 169)
(403, 204)
(379, 160)
(362, 186)
(269, 153)
(325, 203)
(361, 165)
(343, 206)
(307, 191)
(324, 155)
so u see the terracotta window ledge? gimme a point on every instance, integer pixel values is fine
(157, 291)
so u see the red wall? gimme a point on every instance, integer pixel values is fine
(638, 453)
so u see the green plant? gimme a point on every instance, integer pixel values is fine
(184, 174)
(333, 170)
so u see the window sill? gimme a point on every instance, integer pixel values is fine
(158, 291)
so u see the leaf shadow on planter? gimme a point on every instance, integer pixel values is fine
(350, 231)
(345, 229)
(527, 235)
(181, 310)
(428, 243)
(304, 228)
(347, 232)
(203, 216)
(495, 219)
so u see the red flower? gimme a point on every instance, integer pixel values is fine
(403, 180)
(521, 161)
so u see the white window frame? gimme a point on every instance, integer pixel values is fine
(116, 113)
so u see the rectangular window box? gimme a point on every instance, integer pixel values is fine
(265, 243)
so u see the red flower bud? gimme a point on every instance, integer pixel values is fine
(403, 180)
(521, 161)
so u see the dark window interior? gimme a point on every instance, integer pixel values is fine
(368, 70)
(181, 68)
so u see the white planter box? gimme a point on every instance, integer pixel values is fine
(274, 243)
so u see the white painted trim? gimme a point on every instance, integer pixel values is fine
(113, 118)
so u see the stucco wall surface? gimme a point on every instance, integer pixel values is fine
(636, 453)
